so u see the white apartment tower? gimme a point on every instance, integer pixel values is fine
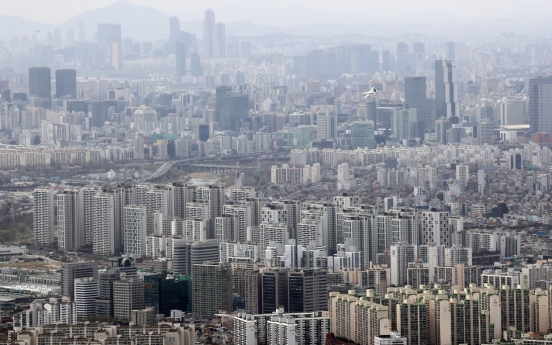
(463, 173)
(105, 223)
(401, 255)
(134, 225)
(43, 216)
(436, 228)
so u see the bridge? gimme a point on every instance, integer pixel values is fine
(214, 168)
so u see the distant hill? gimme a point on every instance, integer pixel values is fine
(17, 26)
(138, 22)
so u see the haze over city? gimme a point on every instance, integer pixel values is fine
(275, 172)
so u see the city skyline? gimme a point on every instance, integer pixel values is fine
(269, 13)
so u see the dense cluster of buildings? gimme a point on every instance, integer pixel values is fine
(415, 215)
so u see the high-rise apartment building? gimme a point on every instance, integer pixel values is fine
(435, 228)
(70, 216)
(66, 83)
(43, 216)
(134, 228)
(446, 90)
(400, 256)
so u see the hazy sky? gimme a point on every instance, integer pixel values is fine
(58, 11)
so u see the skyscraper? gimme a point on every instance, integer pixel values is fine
(174, 35)
(109, 39)
(43, 216)
(540, 110)
(39, 82)
(180, 60)
(196, 69)
(446, 89)
(209, 33)
(449, 51)
(415, 89)
(66, 83)
(221, 40)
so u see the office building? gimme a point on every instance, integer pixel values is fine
(233, 108)
(540, 112)
(415, 91)
(180, 51)
(405, 124)
(274, 283)
(66, 83)
(76, 270)
(212, 289)
(442, 125)
(446, 90)
(188, 253)
(101, 112)
(43, 216)
(220, 48)
(307, 290)
(326, 127)
(128, 295)
(209, 34)
(40, 83)
(118, 266)
(449, 51)
(362, 135)
(86, 291)
(70, 219)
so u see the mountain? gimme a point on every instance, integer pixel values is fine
(138, 22)
(17, 26)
